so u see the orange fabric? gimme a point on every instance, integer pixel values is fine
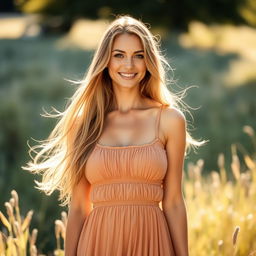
(126, 190)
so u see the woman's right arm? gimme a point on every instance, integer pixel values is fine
(79, 209)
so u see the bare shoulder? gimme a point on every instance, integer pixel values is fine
(173, 122)
(172, 115)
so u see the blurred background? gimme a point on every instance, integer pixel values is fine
(211, 45)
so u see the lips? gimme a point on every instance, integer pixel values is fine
(127, 75)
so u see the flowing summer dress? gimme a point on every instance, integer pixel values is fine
(126, 189)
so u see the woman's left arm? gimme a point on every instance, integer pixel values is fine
(173, 205)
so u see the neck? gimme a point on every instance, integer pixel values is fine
(127, 99)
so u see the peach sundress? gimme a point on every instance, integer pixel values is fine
(126, 189)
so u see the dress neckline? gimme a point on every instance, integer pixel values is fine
(132, 146)
(142, 145)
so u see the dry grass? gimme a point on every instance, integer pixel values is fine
(221, 212)
(16, 238)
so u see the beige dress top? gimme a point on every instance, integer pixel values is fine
(126, 189)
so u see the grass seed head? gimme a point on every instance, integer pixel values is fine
(249, 162)
(221, 161)
(235, 235)
(215, 179)
(33, 237)
(12, 202)
(248, 130)
(220, 244)
(64, 218)
(27, 220)
(9, 209)
(15, 197)
(235, 166)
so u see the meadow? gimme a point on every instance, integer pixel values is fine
(219, 183)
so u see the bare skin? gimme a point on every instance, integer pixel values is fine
(127, 68)
(79, 209)
(173, 203)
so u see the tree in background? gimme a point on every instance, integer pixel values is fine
(170, 13)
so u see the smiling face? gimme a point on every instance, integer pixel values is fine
(127, 66)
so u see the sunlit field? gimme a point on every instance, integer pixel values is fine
(219, 181)
(221, 211)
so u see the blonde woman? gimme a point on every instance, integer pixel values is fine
(117, 152)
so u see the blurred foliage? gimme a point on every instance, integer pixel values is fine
(32, 72)
(248, 12)
(175, 13)
(32, 78)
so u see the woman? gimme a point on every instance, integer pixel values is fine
(116, 154)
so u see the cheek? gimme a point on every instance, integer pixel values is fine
(143, 67)
(113, 65)
(112, 69)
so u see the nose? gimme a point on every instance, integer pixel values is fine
(129, 62)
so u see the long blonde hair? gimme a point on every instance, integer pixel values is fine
(61, 158)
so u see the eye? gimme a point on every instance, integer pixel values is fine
(139, 56)
(118, 55)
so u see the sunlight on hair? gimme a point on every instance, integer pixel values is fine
(62, 157)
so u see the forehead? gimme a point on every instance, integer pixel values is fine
(127, 42)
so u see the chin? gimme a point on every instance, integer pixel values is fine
(127, 85)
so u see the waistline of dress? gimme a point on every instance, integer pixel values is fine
(124, 180)
(126, 202)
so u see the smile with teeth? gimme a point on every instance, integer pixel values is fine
(127, 75)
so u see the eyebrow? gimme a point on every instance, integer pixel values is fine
(117, 50)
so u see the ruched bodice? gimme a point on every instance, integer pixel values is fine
(126, 189)
(127, 175)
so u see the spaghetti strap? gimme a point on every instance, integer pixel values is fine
(158, 122)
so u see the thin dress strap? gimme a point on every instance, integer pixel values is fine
(158, 122)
